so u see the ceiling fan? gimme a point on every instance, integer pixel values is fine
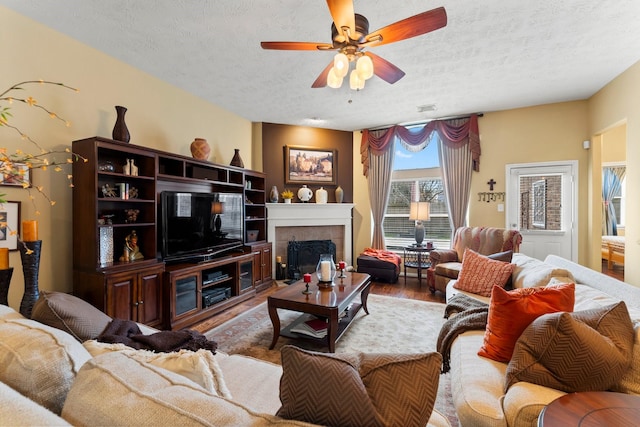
(350, 35)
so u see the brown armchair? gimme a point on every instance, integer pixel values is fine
(446, 263)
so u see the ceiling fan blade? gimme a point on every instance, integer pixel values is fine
(385, 69)
(410, 27)
(343, 15)
(321, 81)
(296, 46)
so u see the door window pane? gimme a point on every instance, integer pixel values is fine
(541, 202)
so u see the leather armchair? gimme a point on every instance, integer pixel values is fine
(446, 263)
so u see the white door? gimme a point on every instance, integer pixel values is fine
(541, 203)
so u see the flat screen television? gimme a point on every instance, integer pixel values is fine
(200, 225)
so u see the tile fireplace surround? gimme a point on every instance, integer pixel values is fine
(310, 221)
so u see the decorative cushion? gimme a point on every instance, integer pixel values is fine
(114, 389)
(358, 389)
(70, 314)
(530, 272)
(39, 361)
(479, 273)
(17, 410)
(505, 256)
(586, 350)
(200, 366)
(510, 312)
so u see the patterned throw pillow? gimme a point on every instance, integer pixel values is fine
(510, 312)
(587, 350)
(480, 273)
(359, 389)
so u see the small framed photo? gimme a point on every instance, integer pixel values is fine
(16, 177)
(305, 165)
(9, 225)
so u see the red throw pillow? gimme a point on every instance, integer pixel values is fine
(510, 312)
(479, 273)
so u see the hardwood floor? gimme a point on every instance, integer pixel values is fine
(410, 290)
(617, 271)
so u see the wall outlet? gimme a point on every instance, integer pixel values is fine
(500, 207)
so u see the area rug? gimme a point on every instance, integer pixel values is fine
(394, 325)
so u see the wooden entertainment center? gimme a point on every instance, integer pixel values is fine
(112, 197)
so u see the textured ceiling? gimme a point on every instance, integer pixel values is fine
(492, 55)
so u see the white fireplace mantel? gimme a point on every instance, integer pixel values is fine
(312, 215)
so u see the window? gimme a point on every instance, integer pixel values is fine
(619, 203)
(416, 173)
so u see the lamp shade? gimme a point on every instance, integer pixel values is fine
(364, 67)
(419, 211)
(333, 81)
(340, 65)
(217, 207)
(355, 83)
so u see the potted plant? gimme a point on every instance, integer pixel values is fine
(287, 195)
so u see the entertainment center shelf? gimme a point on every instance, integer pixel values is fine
(118, 197)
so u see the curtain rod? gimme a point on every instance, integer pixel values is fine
(424, 122)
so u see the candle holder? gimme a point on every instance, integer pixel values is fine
(30, 268)
(5, 281)
(342, 265)
(326, 271)
(307, 280)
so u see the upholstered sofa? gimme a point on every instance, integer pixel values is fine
(446, 263)
(56, 376)
(479, 383)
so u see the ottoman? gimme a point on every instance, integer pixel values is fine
(379, 269)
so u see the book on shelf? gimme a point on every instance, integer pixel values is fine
(316, 328)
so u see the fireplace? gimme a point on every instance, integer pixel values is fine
(303, 256)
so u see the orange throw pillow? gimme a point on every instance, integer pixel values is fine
(510, 312)
(480, 273)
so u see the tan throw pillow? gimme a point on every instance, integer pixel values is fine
(479, 274)
(587, 350)
(70, 314)
(510, 312)
(358, 389)
(200, 366)
(39, 361)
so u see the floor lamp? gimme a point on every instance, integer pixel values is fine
(419, 212)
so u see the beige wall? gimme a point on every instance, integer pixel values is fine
(616, 104)
(614, 145)
(159, 115)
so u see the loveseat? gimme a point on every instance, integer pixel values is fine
(478, 383)
(446, 263)
(59, 376)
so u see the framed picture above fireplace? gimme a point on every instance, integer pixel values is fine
(304, 165)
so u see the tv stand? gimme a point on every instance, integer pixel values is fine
(109, 204)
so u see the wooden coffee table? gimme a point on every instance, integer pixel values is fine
(335, 304)
(591, 408)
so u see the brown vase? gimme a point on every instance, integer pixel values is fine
(120, 130)
(237, 160)
(200, 149)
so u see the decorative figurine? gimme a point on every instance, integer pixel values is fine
(131, 250)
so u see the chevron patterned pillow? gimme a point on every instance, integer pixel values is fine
(358, 389)
(587, 350)
(479, 273)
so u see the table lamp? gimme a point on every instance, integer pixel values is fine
(419, 212)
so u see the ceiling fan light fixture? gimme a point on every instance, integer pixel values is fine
(333, 81)
(364, 67)
(355, 82)
(340, 65)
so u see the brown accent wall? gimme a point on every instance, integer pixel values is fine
(276, 137)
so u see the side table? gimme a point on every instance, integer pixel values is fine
(416, 257)
(591, 408)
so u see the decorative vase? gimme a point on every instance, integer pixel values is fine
(321, 195)
(339, 194)
(120, 130)
(5, 281)
(200, 149)
(237, 160)
(30, 268)
(326, 269)
(273, 195)
(305, 194)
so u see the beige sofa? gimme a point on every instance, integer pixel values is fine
(48, 377)
(478, 383)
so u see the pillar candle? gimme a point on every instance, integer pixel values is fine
(278, 259)
(4, 258)
(307, 277)
(30, 231)
(325, 271)
(342, 265)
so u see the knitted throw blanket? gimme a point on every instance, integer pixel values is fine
(383, 255)
(470, 314)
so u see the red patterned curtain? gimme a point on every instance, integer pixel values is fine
(453, 133)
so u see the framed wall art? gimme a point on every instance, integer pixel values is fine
(22, 175)
(305, 165)
(9, 225)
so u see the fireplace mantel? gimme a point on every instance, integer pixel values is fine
(311, 215)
